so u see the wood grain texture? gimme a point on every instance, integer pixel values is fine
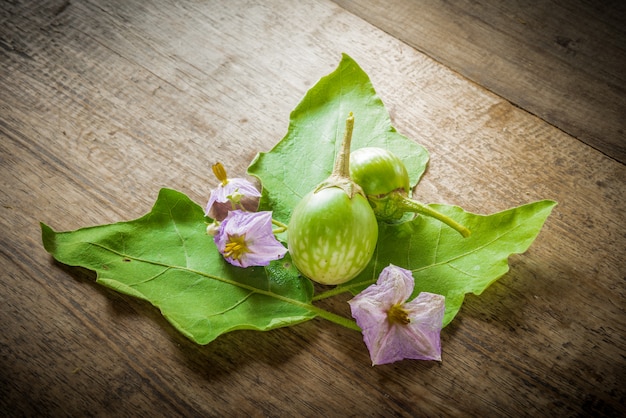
(103, 103)
(562, 61)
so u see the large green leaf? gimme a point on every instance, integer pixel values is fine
(305, 156)
(166, 258)
(443, 262)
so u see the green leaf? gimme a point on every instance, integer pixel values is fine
(442, 261)
(166, 258)
(445, 263)
(305, 156)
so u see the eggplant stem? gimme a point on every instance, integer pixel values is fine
(342, 162)
(340, 176)
(410, 205)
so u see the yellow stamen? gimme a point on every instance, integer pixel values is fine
(397, 314)
(220, 173)
(236, 247)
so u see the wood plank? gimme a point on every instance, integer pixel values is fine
(103, 103)
(562, 61)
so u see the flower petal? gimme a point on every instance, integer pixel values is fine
(421, 339)
(243, 186)
(261, 246)
(219, 203)
(427, 309)
(394, 286)
(371, 316)
(389, 340)
(396, 280)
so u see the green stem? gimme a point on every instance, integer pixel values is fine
(337, 319)
(409, 205)
(340, 289)
(342, 162)
(281, 226)
(340, 176)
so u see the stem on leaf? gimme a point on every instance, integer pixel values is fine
(337, 319)
(341, 289)
(410, 205)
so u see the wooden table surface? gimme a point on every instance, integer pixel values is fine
(102, 103)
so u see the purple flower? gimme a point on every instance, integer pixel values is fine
(230, 194)
(394, 329)
(246, 239)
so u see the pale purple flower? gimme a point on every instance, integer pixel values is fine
(230, 194)
(246, 239)
(394, 329)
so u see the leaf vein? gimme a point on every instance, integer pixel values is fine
(180, 236)
(233, 306)
(267, 293)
